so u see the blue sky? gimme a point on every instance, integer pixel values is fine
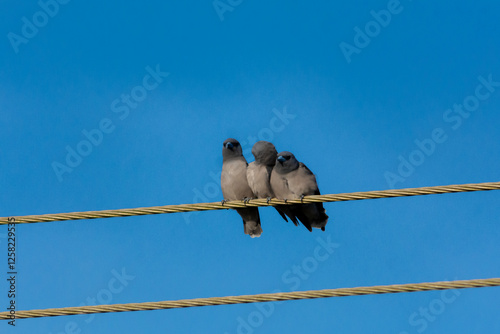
(413, 103)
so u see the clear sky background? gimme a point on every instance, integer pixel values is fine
(364, 111)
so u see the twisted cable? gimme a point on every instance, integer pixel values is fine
(259, 298)
(252, 203)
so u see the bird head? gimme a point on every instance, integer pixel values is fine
(231, 148)
(265, 153)
(286, 162)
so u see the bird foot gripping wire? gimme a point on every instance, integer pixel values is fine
(268, 199)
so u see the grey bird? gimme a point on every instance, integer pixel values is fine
(235, 186)
(259, 175)
(291, 179)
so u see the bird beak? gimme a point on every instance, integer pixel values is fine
(281, 158)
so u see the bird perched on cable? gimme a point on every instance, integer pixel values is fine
(235, 186)
(259, 175)
(291, 179)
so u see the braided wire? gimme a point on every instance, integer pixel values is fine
(253, 203)
(259, 298)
